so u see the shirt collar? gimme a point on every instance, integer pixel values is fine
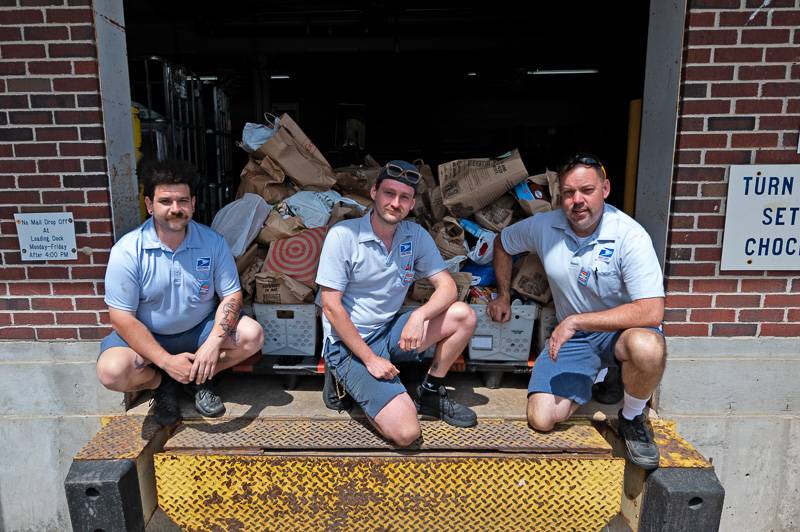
(150, 238)
(366, 234)
(607, 231)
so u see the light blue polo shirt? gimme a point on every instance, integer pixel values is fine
(374, 280)
(170, 292)
(615, 265)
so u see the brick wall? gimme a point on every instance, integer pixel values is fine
(52, 158)
(740, 104)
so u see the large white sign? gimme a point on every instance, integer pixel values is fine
(46, 236)
(762, 218)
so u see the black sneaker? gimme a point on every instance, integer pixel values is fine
(166, 409)
(438, 405)
(206, 400)
(610, 391)
(640, 449)
(333, 393)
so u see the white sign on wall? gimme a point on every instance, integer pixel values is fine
(46, 236)
(762, 218)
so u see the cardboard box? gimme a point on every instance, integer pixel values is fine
(544, 326)
(279, 289)
(503, 342)
(530, 279)
(289, 330)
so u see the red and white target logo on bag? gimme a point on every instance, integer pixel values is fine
(297, 256)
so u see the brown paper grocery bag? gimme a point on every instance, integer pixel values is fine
(496, 216)
(274, 288)
(356, 179)
(277, 227)
(248, 277)
(535, 196)
(530, 279)
(448, 235)
(289, 123)
(438, 210)
(256, 181)
(423, 289)
(468, 185)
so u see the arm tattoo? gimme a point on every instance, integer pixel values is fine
(230, 318)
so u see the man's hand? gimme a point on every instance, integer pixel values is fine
(380, 368)
(499, 310)
(561, 334)
(179, 367)
(205, 363)
(413, 332)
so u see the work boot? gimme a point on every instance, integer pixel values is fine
(333, 393)
(437, 404)
(206, 400)
(640, 449)
(166, 410)
(610, 390)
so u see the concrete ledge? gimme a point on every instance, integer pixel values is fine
(761, 348)
(49, 351)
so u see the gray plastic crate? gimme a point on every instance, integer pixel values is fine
(289, 330)
(503, 342)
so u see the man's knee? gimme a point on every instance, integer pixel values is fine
(646, 350)
(404, 435)
(114, 373)
(541, 417)
(463, 314)
(251, 336)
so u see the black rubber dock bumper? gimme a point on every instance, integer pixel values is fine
(103, 495)
(682, 499)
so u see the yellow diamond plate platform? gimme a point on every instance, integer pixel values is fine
(122, 437)
(674, 450)
(510, 492)
(328, 435)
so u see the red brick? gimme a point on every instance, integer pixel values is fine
(28, 85)
(699, 20)
(793, 106)
(89, 100)
(681, 222)
(16, 101)
(694, 90)
(737, 301)
(700, 174)
(73, 288)
(72, 50)
(95, 242)
(5, 319)
(22, 16)
(777, 157)
(708, 73)
(703, 140)
(795, 286)
(782, 55)
(684, 190)
(48, 272)
(734, 90)
(774, 4)
(63, 197)
(780, 89)
(17, 167)
(695, 269)
(94, 333)
(38, 318)
(56, 133)
(22, 51)
(10, 34)
(78, 117)
(695, 206)
(16, 333)
(677, 285)
(59, 165)
(763, 285)
(685, 329)
(77, 318)
(31, 117)
(94, 165)
(89, 272)
(765, 36)
(76, 84)
(52, 100)
(761, 315)
(51, 303)
(754, 140)
(715, 5)
(697, 56)
(96, 149)
(733, 329)
(760, 106)
(761, 72)
(46, 33)
(675, 315)
(69, 15)
(782, 300)
(789, 140)
(793, 315)
(56, 333)
(738, 55)
(693, 237)
(727, 123)
(711, 37)
(728, 157)
(85, 67)
(29, 289)
(90, 303)
(687, 157)
(714, 285)
(39, 181)
(15, 304)
(97, 196)
(81, 33)
(742, 18)
(692, 301)
(712, 190)
(711, 222)
(35, 150)
(785, 18)
(101, 257)
(91, 212)
(690, 124)
(713, 315)
(780, 329)
(50, 67)
(676, 254)
(708, 254)
(100, 227)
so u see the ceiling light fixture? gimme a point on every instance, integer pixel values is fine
(559, 72)
(472, 74)
(279, 76)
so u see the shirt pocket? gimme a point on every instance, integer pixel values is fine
(608, 280)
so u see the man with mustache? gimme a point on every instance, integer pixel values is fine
(365, 269)
(174, 300)
(608, 292)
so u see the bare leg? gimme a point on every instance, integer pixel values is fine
(643, 355)
(249, 340)
(122, 370)
(397, 421)
(545, 410)
(451, 331)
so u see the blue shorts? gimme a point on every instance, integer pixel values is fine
(185, 342)
(579, 361)
(370, 393)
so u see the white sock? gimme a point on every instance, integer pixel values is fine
(633, 406)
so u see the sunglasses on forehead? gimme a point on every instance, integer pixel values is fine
(412, 176)
(584, 159)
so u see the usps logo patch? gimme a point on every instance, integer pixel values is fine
(405, 249)
(203, 264)
(605, 254)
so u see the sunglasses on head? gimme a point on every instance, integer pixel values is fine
(412, 176)
(584, 159)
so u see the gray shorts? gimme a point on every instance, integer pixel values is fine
(370, 393)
